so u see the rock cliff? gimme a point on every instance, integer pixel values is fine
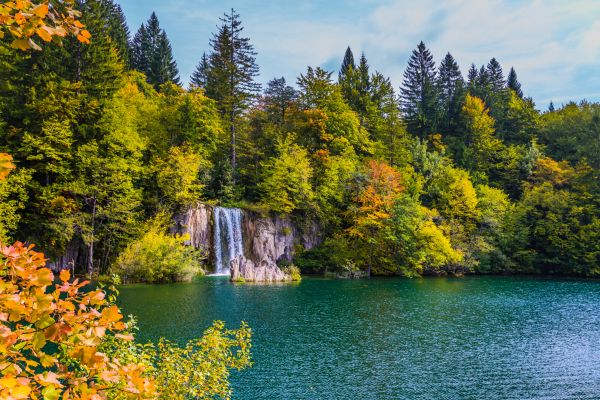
(266, 241)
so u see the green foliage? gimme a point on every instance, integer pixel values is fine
(449, 177)
(419, 93)
(177, 176)
(199, 370)
(286, 185)
(293, 272)
(152, 54)
(13, 199)
(158, 257)
(572, 133)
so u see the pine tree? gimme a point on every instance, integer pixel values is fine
(449, 77)
(483, 78)
(117, 29)
(496, 76)
(551, 107)
(347, 64)
(152, 54)
(472, 76)
(418, 93)
(200, 76)
(513, 83)
(364, 79)
(140, 50)
(233, 69)
(451, 90)
(164, 67)
(356, 86)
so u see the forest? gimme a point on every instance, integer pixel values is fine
(443, 174)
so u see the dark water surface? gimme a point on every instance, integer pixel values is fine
(436, 338)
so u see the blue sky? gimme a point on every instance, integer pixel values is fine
(554, 45)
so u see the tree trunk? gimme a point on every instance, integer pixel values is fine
(90, 263)
(233, 151)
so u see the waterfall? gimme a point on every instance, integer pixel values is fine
(227, 237)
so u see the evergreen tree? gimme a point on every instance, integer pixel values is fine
(347, 64)
(513, 83)
(364, 84)
(418, 93)
(451, 90)
(278, 98)
(200, 76)
(233, 69)
(496, 76)
(551, 107)
(117, 29)
(355, 83)
(472, 76)
(152, 54)
(483, 77)
(140, 50)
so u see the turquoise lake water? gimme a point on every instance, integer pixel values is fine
(434, 338)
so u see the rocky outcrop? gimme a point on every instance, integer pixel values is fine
(245, 270)
(197, 223)
(267, 239)
(276, 238)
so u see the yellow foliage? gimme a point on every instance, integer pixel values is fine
(25, 19)
(50, 335)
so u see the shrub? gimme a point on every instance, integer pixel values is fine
(294, 272)
(50, 336)
(158, 257)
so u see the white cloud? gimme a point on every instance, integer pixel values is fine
(546, 41)
(551, 43)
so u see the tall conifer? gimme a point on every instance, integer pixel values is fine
(418, 93)
(152, 54)
(231, 81)
(496, 76)
(513, 83)
(200, 76)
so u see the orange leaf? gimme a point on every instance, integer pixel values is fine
(65, 275)
(44, 34)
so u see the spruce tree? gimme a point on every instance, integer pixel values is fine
(164, 67)
(364, 79)
(472, 76)
(233, 69)
(450, 85)
(513, 83)
(117, 29)
(449, 77)
(347, 64)
(496, 76)
(152, 54)
(140, 50)
(200, 76)
(551, 107)
(418, 93)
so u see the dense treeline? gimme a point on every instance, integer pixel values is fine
(446, 175)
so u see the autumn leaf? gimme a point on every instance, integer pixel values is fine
(65, 275)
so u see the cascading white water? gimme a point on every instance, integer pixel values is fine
(227, 237)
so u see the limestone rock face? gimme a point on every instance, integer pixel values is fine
(266, 240)
(197, 222)
(276, 238)
(243, 269)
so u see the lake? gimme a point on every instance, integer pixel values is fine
(432, 338)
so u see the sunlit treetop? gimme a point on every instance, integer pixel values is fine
(27, 21)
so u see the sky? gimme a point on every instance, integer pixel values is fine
(554, 45)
